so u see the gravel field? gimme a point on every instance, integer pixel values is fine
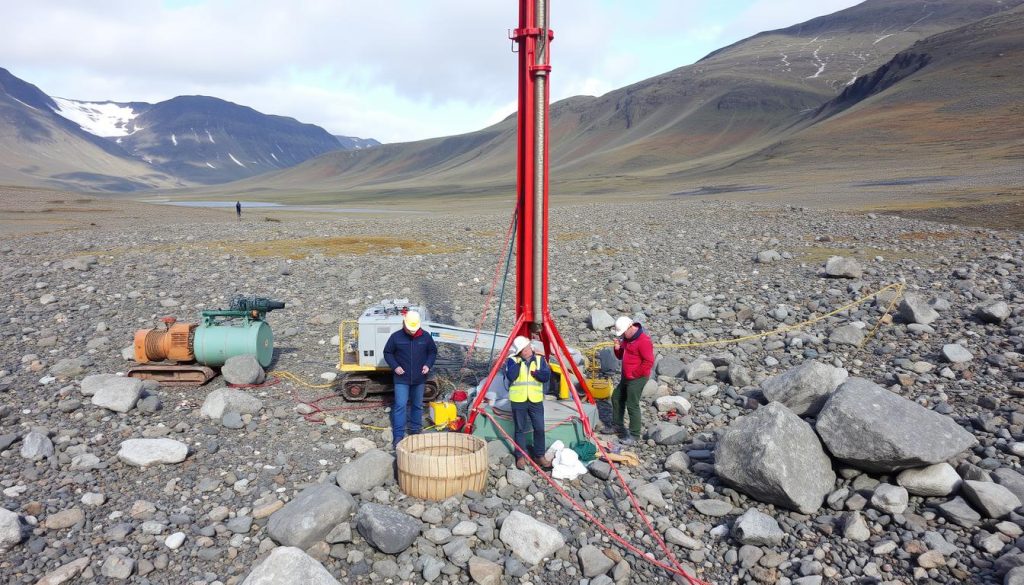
(785, 460)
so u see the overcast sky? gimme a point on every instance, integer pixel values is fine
(395, 70)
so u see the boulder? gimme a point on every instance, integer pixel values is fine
(287, 565)
(847, 335)
(991, 499)
(956, 353)
(870, 428)
(119, 394)
(960, 512)
(775, 457)
(311, 515)
(698, 312)
(96, 382)
(889, 498)
(767, 257)
(1010, 480)
(389, 530)
(593, 561)
(671, 365)
(600, 320)
(11, 532)
(241, 370)
(371, 469)
(224, 400)
(805, 388)
(843, 267)
(932, 481)
(993, 313)
(529, 538)
(66, 573)
(757, 529)
(36, 446)
(915, 309)
(673, 404)
(666, 433)
(698, 369)
(143, 452)
(484, 571)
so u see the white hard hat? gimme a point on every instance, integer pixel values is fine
(621, 324)
(412, 321)
(519, 344)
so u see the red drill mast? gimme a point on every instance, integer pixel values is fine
(533, 319)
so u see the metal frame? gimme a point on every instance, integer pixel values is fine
(533, 318)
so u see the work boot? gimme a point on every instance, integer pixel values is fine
(520, 462)
(543, 462)
(626, 439)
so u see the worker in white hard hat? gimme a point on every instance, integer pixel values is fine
(526, 373)
(410, 352)
(634, 347)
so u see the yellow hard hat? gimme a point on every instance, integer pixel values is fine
(412, 321)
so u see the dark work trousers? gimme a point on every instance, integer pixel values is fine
(529, 414)
(626, 398)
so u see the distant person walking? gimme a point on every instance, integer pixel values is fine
(410, 352)
(526, 373)
(238, 210)
(634, 347)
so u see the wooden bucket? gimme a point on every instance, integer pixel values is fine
(436, 466)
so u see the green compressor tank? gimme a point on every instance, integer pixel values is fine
(240, 330)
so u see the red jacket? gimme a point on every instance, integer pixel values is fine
(637, 355)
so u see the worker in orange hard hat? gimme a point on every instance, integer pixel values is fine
(410, 352)
(526, 373)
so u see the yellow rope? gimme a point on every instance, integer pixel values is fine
(286, 375)
(899, 287)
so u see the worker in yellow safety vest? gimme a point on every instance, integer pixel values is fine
(526, 373)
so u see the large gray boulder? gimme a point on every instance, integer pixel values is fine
(996, 312)
(529, 538)
(311, 515)
(11, 532)
(600, 320)
(805, 388)
(143, 452)
(775, 457)
(118, 394)
(991, 499)
(36, 445)
(843, 267)
(287, 565)
(241, 370)
(96, 382)
(372, 469)
(757, 529)
(915, 309)
(935, 480)
(870, 428)
(225, 400)
(389, 530)
(1011, 480)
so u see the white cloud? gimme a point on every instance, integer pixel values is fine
(392, 70)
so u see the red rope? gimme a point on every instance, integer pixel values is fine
(320, 410)
(490, 294)
(676, 568)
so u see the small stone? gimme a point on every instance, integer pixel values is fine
(956, 353)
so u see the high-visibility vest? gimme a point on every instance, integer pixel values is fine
(526, 387)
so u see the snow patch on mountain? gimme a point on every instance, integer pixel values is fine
(104, 119)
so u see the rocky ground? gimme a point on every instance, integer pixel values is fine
(231, 478)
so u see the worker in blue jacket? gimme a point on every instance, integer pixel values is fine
(410, 352)
(526, 373)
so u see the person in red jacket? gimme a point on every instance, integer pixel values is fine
(634, 347)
